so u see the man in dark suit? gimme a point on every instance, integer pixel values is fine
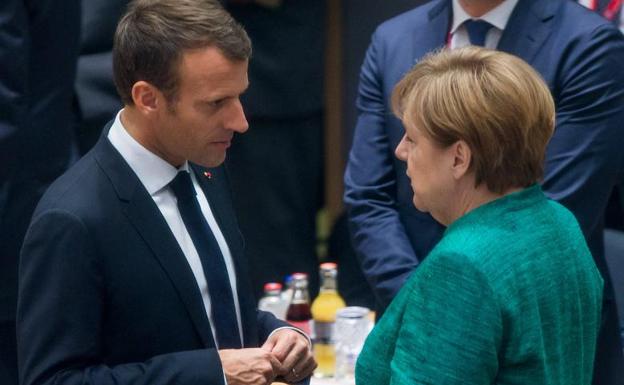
(580, 56)
(38, 49)
(132, 271)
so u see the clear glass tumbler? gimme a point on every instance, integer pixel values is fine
(352, 327)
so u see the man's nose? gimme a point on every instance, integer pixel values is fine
(236, 120)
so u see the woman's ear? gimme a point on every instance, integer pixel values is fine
(462, 157)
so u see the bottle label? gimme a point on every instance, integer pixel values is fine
(323, 332)
(306, 326)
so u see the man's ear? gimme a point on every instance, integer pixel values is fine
(462, 157)
(147, 98)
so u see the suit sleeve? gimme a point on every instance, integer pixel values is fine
(60, 317)
(378, 235)
(14, 43)
(451, 330)
(584, 157)
(267, 323)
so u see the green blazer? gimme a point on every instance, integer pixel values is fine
(510, 295)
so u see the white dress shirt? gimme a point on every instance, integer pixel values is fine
(498, 17)
(155, 174)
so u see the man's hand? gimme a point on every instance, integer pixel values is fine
(249, 366)
(292, 349)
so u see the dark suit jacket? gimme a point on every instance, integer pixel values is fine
(106, 294)
(286, 69)
(38, 49)
(579, 55)
(96, 96)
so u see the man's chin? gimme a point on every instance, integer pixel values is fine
(211, 162)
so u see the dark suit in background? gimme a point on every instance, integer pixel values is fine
(38, 50)
(614, 215)
(276, 167)
(96, 97)
(580, 56)
(99, 243)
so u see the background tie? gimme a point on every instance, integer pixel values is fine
(219, 289)
(477, 30)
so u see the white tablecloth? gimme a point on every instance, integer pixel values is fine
(329, 381)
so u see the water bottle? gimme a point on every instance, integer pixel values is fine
(272, 300)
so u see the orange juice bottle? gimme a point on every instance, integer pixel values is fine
(324, 310)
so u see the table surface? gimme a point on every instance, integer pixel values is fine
(323, 381)
(329, 381)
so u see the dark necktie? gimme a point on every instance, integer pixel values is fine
(219, 289)
(477, 30)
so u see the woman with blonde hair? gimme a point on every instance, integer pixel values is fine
(511, 294)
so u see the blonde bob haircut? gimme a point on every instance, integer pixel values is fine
(493, 101)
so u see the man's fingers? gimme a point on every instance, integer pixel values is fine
(297, 352)
(283, 345)
(302, 370)
(269, 344)
(277, 366)
(305, 367)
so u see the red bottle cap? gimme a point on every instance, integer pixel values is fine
(271, 286)
(328, 265)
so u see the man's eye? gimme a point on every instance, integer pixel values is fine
(215, 103)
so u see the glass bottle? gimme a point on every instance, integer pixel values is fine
(298, 313)
(288, 289)
(272, 300)
(324, 310)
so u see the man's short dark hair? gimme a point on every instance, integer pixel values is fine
(153, 34)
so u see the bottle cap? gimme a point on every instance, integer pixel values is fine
(272, 286)
(328, 266)
(298, 276)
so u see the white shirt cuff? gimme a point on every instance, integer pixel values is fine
(295, 329)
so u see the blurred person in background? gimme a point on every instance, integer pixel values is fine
(276, 169)
(580, 56)
(511, 293)
(38, 50)
(96, 99)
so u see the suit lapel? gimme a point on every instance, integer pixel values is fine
(434, 34)
(528, 27)
(145, 216)
(214, 184)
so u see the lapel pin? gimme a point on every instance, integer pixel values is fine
(207, 174)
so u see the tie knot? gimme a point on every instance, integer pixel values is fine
(182, 186)
(477, 30)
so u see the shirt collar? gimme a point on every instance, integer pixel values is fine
(498, 16)
(154, 172)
